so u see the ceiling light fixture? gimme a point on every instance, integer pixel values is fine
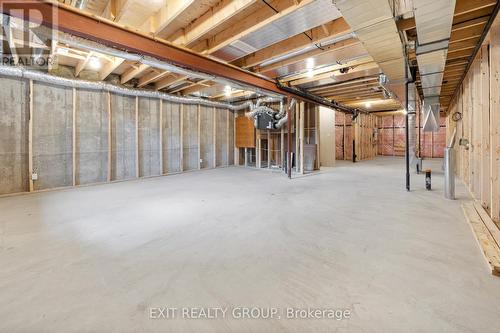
(310, 73)
(95, 63)
(368, 105)
(310, 63)
(227, 91)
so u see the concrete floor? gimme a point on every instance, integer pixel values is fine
(96, 259)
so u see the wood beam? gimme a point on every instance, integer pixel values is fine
(82, 64)
(298, 42)
(216, 16)
(173, 9)
(110, 67)
(168, 81)
(467, 6)
(151, 77)
(133, 72)
(406, 24)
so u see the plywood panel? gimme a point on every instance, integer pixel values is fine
(245, 132)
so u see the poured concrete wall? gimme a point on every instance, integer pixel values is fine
(52, 136)
(91, 133)
(190, 137)
(14, 116)
(172, 138)
(115, 138)
(221, 123)
(206, 137)
(149, 137)
(123, 138)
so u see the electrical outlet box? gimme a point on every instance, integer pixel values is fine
(34, 176)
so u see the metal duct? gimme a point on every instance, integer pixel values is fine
(23, 73)
(434, 20)
(412, 122)
(373, 23)
(88, 45)
(312, 14)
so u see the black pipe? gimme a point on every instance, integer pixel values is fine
(407, 132)
(317, 99)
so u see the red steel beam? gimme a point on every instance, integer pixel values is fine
(106, 32)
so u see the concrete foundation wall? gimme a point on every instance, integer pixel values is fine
(206, 137)
(171, 138)
(190, 137)
(123, 138)
(52, 136)
(221, 117)
(149, 137)
(115, 137)
(14, 116)
(91, 133)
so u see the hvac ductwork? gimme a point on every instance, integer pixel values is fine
(434, 20)
(88, 45)
(274, 119)
(23, 73)
(373, 23)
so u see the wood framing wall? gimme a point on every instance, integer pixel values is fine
(53, 137)
(360, 132)
(478, 103)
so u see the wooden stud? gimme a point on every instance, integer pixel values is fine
(74, 136)
(268, 149)
(109, 137)
(258, 151)
(181, 141)
(282, 147)
(228, 122)
(301, 139)
(297, 135)
(215, 137)
(495, 121)
(199, 138)
(161, 137)
(317, 136)
(137, 167)
(485, 127)
(30, 137)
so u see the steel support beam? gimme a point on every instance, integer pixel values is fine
(100, 30)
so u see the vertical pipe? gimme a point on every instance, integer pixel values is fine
(181, 141)
(199, 138)
(407, 132)
(289, 139)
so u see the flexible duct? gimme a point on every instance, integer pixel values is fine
(23, 73)
(282, 122)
